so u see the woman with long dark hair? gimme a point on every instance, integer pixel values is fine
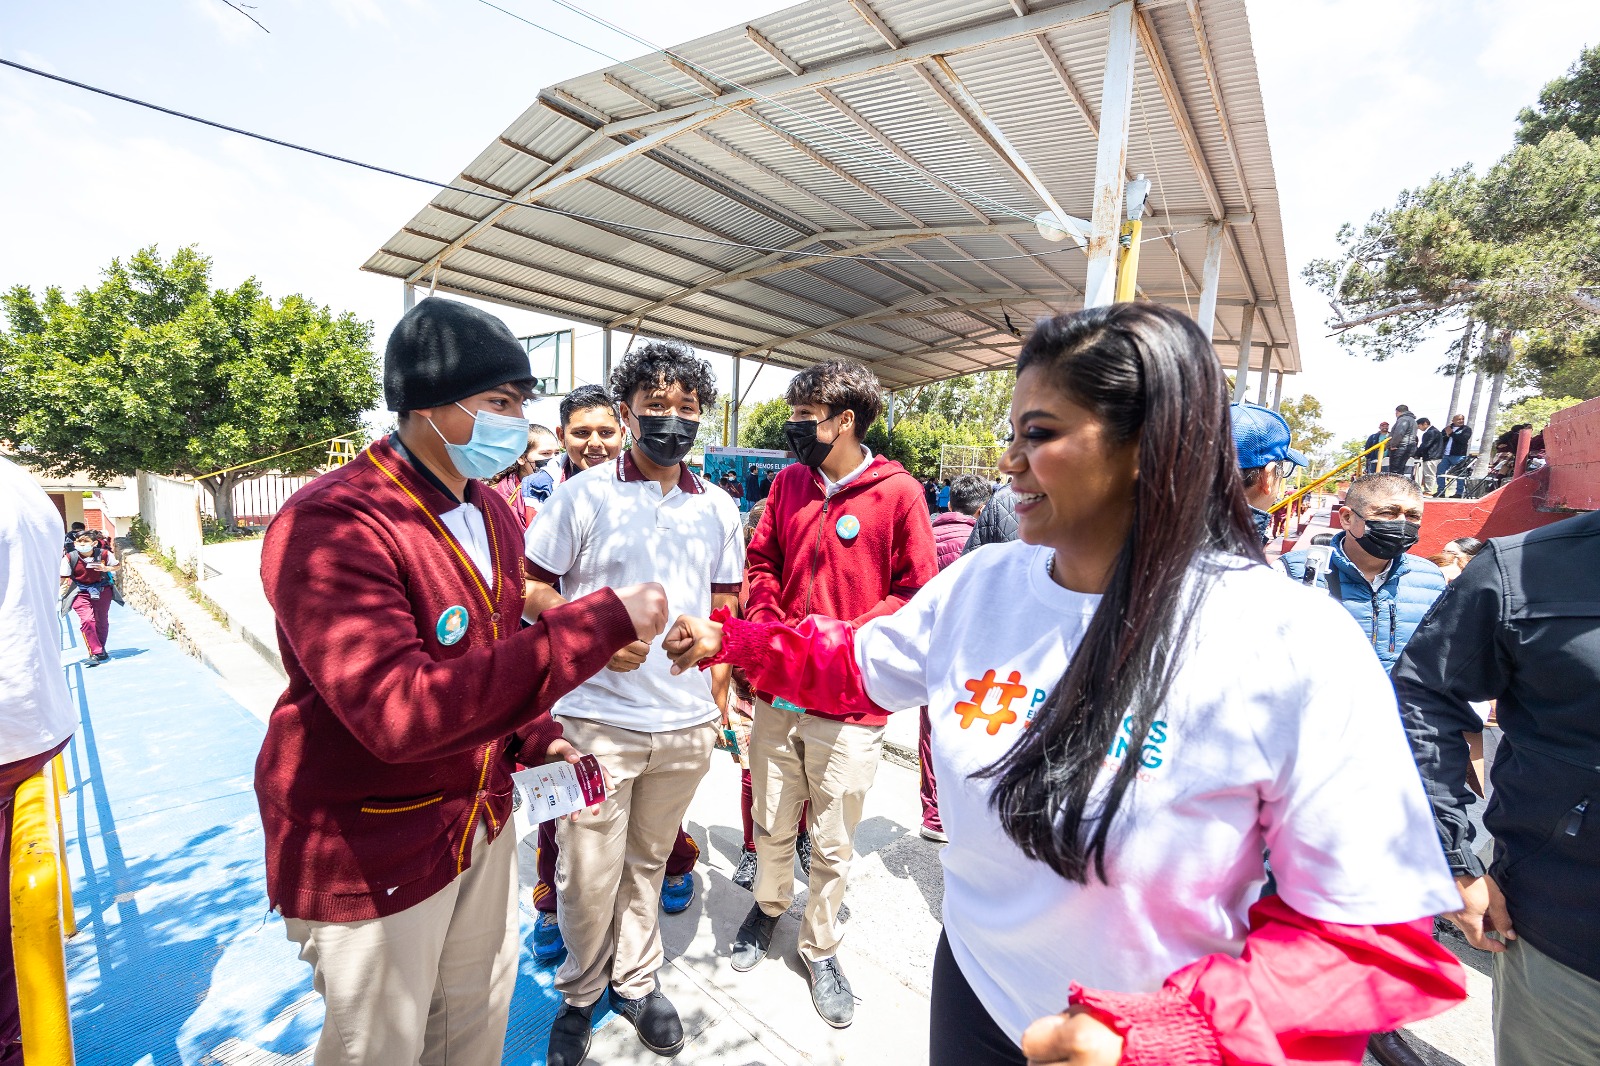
(1130, 709)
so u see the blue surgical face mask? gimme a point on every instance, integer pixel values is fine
(497, 442)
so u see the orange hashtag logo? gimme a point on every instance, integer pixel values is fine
(1007, 690)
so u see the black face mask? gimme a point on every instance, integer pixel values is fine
(666, 439)
(805, 445)
(1389, 539)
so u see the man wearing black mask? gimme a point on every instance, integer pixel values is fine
(1388, 592)
(845, 534)
(1368, 571)
(644, 512)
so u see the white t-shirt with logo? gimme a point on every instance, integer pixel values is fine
(36, 711)
(607, 527)
(1280, 731)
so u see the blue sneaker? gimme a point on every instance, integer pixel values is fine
(677, 893)
(547, 943)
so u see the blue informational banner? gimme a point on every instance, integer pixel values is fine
(753, 470)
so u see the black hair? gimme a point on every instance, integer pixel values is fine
(968, 493)
(1424, 420)
(1401, 409)
(583, 398)
(1363, 490)
(1468, 546)
(1251, 476)
(1152, 377)
(660, 364)
(75, 527)
(839, 386)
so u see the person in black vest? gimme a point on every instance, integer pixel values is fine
(1402, 440)
(86, 569)
(1457, 445)
(1519, 627)
(1430, 449)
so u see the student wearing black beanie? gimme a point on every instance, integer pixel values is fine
(383, 779)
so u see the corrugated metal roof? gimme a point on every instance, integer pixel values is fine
(867, 146)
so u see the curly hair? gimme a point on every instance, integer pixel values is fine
(839, 386)
(658, 365)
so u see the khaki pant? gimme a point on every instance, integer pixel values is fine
(608, 875)
(1545, 1013)
(800, 757)
(1425, 472)
(431, 984)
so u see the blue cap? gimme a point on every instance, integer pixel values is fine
(1261, 436)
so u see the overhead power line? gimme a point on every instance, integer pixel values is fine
(545, 208)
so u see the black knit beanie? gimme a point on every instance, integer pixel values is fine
(442, 351)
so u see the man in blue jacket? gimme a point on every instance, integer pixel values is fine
(1387, 591)
(1368, 570)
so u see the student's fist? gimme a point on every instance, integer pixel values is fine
(630, 658)
(647, 609)
(691, 640)
(1076, 1038)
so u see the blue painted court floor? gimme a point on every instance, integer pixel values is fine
(177, 960)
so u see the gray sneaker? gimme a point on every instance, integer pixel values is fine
(830, 992)
(754, 937)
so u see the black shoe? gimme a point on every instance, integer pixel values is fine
(569, 1036)
(802, 851)
(1391, 1049)
(830, 992)
(655, 1019)
(754, 937)
(103, 657)
(745, 875)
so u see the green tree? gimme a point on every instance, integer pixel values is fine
(980, 401)
(1306, 432)
(918, 440)
(154, 370)
(1571, 103)
(1535, 410)
(761, 426)
(1562, 365)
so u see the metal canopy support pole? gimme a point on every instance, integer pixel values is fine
(408, 296)
(1266, 369)
(605, 358)
(1241, 375)
(888, 412)
(733, 408)
(1210, 278)
(1277, 393)
(1111, 159)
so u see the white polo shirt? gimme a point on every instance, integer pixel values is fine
(609, 527)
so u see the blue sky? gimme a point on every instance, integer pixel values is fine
(1363, 97)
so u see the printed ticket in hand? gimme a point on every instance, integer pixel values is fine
(557, 789)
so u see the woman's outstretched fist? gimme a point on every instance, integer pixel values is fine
(691, 640)
(647, 608)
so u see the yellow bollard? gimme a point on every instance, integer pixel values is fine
(69, 917)
(41, 960)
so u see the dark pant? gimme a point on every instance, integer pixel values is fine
(927, 786)
(960, 1030)
(1398, 461)
(1452, 464)
(94, 617)
(685, 853)
(12, 775)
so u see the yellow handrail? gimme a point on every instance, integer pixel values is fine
(58, 777)
(1330, 475)
(41, 961)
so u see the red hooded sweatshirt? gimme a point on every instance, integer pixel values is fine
(859, 554)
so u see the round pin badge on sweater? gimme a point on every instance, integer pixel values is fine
(452, 625)
(849, 527)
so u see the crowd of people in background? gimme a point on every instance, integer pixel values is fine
(1165, 835)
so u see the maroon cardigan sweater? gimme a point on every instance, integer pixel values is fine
(799, 561)
(388, 749)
